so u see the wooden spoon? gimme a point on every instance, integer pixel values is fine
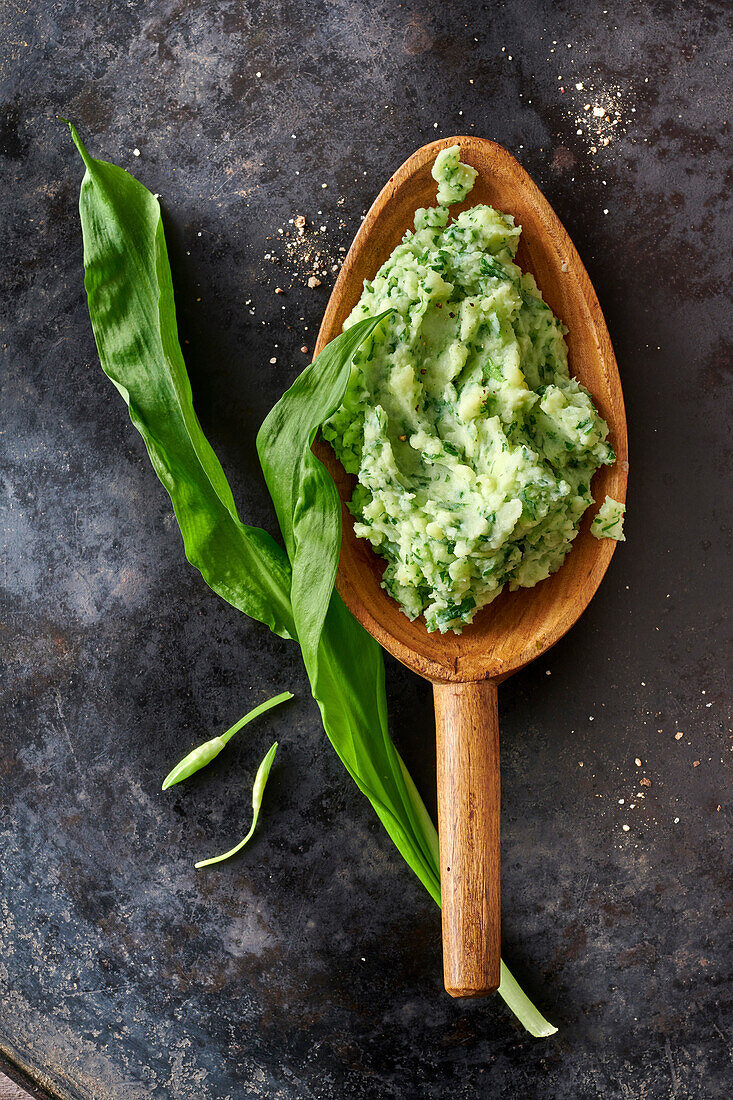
(518, 626)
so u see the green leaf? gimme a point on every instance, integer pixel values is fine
(257, 792)
(519, 1003)
(131, 306)
(202, 755)
(347, 678)
(305, 497)
(344, 663)
(128, 282)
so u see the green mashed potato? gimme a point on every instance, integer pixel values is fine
(608, 522)
(472, 446)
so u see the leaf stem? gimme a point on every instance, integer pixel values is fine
(257, 792)
(519, 1003)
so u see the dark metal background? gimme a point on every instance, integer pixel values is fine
(310, 966)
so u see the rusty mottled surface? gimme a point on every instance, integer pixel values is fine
(310, 967)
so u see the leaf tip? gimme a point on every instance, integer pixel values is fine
(171, 778)
(77, 140)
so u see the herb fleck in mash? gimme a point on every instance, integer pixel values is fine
(473, 447)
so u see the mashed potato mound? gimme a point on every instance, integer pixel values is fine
(473, 447)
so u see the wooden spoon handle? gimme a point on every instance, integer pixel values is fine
(467, 733)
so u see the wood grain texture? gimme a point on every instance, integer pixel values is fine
(467, 745)
(518, 626)
(10, 1091)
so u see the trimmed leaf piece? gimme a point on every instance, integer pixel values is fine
(202, 755)
(257, 792)
(197, 759)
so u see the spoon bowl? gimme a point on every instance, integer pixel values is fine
(518, 626)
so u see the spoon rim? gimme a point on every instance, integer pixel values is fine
(455, 667)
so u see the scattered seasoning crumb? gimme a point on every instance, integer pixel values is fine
(304, 349)
(136, 152)
(273, 360)
(679, 735)
(603, 113)
(279, 290)
(564, 265)
(637, 761)
(625, 828)
(580, 763)
(676, 821)
(403, 439)
(304, 251)
(313, 282)
(645, 782)
(696, 763)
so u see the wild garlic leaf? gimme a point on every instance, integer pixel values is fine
(203, 754)
(131, 306)
(344, 663)
(257, 792)
(346, 672)
(305, 498)
(128, 282)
